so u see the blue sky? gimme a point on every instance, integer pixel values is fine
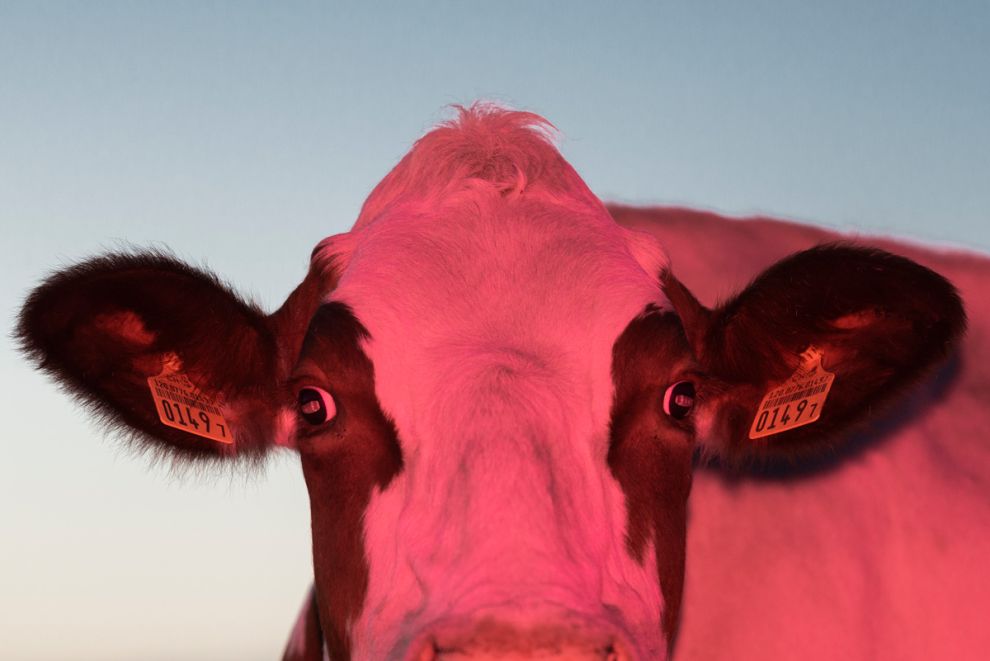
(239, 134)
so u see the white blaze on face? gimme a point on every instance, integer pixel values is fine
(492, 318)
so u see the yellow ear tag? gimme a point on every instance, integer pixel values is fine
(796, 402)
(181, 405)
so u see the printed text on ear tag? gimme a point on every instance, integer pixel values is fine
(797, 401)
(183, 406)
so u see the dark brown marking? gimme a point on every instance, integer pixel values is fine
(650, 454)
(312, 644)
(343, 462)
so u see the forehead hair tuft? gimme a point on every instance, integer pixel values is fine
(485, 147)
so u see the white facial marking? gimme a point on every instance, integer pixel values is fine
(492, 320)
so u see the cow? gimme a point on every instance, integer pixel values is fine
(499, 395)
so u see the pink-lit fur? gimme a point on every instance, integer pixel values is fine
(494, 284)
(493, 295)
(502, 479)
(883, 556)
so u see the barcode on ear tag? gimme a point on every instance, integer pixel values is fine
(183, 406)
(796, 402)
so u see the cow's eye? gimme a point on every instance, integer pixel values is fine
(316, 406)
(678, 400)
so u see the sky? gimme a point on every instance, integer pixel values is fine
(239, 134)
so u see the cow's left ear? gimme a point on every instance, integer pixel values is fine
(815, 344)
(167, 353)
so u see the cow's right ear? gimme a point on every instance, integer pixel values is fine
(817, 343)
(104, 327)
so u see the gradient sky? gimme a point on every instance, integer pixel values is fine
(239, 134)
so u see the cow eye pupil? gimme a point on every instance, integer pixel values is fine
(316, 406)
(678, 400)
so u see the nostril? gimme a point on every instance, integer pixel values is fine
(615, 652)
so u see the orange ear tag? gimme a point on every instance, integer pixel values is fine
(181, 405)
(796, 402)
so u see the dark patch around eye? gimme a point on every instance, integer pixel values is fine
(347, 461)
(648, 455)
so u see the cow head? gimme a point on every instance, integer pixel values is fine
(496, 393)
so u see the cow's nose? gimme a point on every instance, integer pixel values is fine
(497, 641)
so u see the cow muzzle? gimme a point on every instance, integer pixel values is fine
(492, 639)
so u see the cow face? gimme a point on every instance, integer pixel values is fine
(496, 393)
